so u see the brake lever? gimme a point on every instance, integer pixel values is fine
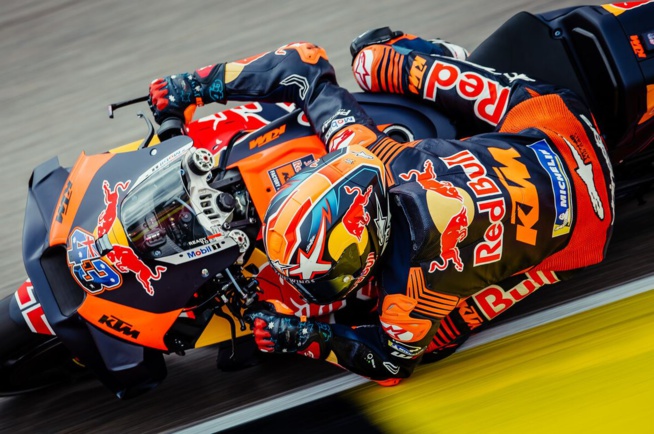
(111, 108)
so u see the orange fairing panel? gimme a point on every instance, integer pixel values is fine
(75, 188)
(133, 325)
(266, 171)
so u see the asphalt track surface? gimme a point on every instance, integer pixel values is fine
(62, 62)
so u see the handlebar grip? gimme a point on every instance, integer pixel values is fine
(170, 127)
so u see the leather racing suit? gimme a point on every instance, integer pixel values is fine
(527, 196)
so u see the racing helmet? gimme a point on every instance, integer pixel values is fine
(327, 227)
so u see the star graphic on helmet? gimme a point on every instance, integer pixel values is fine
(381, 222)
(281, 268)
(310, 263)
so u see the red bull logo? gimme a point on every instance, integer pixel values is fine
(108, 216)
(455, 229)
(482, 186)
(428, 181)
(455, 232)
(493, 300)
(356, 217)
(125, 260)
(491, 99)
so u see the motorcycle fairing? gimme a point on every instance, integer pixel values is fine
(126, 371)
(165, 293)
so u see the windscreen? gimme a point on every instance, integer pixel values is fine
(158, 217)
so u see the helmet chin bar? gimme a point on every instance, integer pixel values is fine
(214, 209)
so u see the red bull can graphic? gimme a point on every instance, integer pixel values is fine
(450, 215)
(125, 260)
(356, 217)
(108, 216)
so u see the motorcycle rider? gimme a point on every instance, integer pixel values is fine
(524, 199)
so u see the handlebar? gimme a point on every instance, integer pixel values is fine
(169, 128)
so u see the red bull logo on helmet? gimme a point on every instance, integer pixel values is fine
(356, 217)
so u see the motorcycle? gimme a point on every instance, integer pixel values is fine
(122, 269)
(154, 247)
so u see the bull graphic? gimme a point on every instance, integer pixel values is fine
(455, 232)
(456, 229)
(356, 217)
(108, 216)
(125, 260)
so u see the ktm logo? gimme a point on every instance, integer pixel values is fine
(416, 74)
(268, 137)
(63, 204)
(119, 325)
(524, 196)
(637, 47)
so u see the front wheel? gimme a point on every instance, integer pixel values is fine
(31, 361)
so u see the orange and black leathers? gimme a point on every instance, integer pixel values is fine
(530, 191)
(528, 195)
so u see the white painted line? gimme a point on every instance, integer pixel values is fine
(347, 381)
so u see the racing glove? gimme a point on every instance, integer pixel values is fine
(276, 329)
(406, 42)
(177, 96)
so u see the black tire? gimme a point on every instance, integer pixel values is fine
(31, 361)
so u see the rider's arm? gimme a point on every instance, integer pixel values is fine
(298, 73)
(366, 350)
